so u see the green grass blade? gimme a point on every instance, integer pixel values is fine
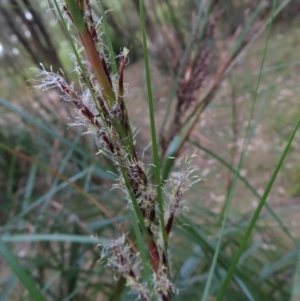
(275, 67)
(47, 195)
(108, 40)
(76, 14)
(19, 271)
(8, 288)
(62, 166)
(227, 165)
(95, 226)
(142, 250)
(232, 187)
(54, 237)
(197, 109)
(218, 248)
(137, 222)
(243, 34)
(176, 23)
(52, 132)
(137, 230)
(29, 185)
(254, 218)
(196, 236)
(50, 281)
(296, 288)
(71, 296)
(152, 124)
(259, 32)
(249, 186)
(173, 148)
(275, 267)
(12, 171)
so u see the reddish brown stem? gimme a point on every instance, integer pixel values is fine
(154, 256)
(98, 66)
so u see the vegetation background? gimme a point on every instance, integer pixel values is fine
(56, 201)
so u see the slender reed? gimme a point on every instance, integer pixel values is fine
(102, 109)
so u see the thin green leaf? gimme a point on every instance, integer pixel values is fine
(8, 288)
(29, 185)
(102, 170)
(296, 288)
(232, 187)
(173, 148)
(277, 266)
(142, 250)
(248, 185)
(55, 237)
(199, 107)
(77, 290)
(50, 281)
(103, 223)
(259, 32)
(250, 22)
(63, 164)
(153, 130)
(139, 237)
(76, 14)
(255, 217)
(47, 195)
(108, 40)
(196, 235)
(11, 172)
(19, 271)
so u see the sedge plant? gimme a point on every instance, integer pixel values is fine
(146, 266)
(101, 107)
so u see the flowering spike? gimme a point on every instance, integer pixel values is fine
(100, 102)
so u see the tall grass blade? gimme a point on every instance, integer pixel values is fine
(196, 235)
(142, 249)
(260, 31)
(108, 39)
(277, 266)
(249, 186)
(152, 123)
(232, 187)
(53, 133)
(54, 237)
(13, 280)
(255, 217)
(62, 166)
(78, 289)
(296, 288)
(47, 195)
(19, 271)
(198, 108)
(29, 185)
